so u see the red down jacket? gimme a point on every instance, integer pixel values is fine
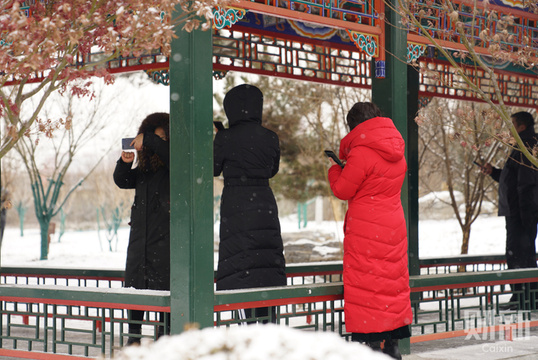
(376, 277)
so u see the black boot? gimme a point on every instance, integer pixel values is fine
(391, 349)
(374, 345)
(135, 333)
(133, 341)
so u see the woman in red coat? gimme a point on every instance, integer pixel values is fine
(376, 278)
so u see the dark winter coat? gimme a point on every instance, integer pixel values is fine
(376, 277)
(148, 253)
(518, 192)
(247, 154)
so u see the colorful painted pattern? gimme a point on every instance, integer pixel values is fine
(512, 3)
(312, 31)
(226, 17)
(414, 51)
(367, 43)
(380, 69)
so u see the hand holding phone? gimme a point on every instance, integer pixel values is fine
(126, 144)
(333, 156)
(486, 169)
(127, 156)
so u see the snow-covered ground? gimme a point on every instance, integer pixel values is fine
(268, 342)
(82, 249)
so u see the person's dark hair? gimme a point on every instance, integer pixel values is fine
(524, 118)
(147, 159)
(360, 112)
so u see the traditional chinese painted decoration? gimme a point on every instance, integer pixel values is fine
(380, 68)
(367, 43)
(26, 10)
(511, 3)
(226, 17)
(423, 101)
(312, 31)
(415, 51)
(219, 75)
(159, 76)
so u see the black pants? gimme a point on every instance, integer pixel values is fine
(259, 312)
(396, 334)
(138, 315)
(520, 247)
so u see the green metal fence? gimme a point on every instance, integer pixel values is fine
(52, 311)
(87, 322)
(297, 273)
(467, 263)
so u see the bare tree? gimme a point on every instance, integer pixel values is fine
(450, 154)
(50, 46)
(112, 204)
(18, 188)
(471, 31)
(47, 161)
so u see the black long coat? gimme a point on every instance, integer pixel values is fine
(250, 250)
(517, 183)
(148, 253)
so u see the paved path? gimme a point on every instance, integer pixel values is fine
(471, 349)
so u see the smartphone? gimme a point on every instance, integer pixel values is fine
(126, 143)
(218, 125)
(333, 156)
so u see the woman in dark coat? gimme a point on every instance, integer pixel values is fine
(248, 155)
(148, 253)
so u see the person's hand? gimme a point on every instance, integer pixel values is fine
(335, 163)
(486, 169)
(138, 142)
(127, 156)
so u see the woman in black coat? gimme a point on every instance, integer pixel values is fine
(248, 155)
(148, 253)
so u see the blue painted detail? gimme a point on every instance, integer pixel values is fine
(380, 69)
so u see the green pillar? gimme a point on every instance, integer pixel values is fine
(392, 96)
(412, 173)
(191, 180)
(389, 93)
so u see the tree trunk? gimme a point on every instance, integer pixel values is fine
(465, 244)
(338, 214)
(465, 240)
(44, 226)
(337, 208)
(21, 210)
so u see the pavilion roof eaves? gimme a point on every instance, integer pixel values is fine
(309, 18)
